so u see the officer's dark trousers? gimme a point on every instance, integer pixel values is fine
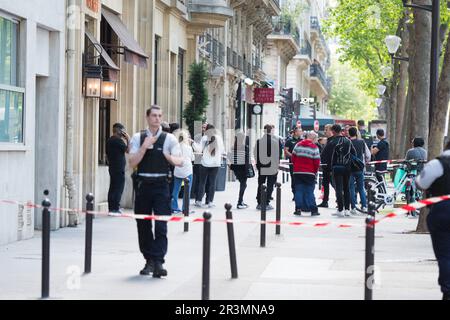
(154, 198)
(439, 225)
(116, 186)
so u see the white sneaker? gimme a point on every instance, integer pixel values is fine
(347, 213)
(353, 212)
(198, 204)
(211, 205)
(339, 214)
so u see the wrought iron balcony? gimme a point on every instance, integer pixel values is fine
(286, 27)
(306, 49)
(209, 13)
(317, 72)
(315, 26)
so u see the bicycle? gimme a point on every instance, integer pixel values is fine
(406, 186)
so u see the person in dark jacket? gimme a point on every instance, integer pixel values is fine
(116, 147)
(357, 178)
(341, 150)
(325, 157)
(240, 163)
(435, 178)
(268, 152)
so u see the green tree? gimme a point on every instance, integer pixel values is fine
(348, 100)
(195, 109)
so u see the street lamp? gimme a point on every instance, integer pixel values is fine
(393, 44)
(386, 72)
(381, 89)
(378, 102)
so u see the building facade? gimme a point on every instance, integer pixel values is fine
(32, 44)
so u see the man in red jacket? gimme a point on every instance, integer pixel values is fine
(306, 160)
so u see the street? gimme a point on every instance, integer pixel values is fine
(303, 263)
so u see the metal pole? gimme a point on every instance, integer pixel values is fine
(370, 247)
(278, 214)
(434, 63)
(206, 255)
(45, 292)
(186, 200)
(263, 215)
(231, 242)
(88, 238)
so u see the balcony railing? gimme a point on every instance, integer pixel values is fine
(315, 25)
(286, 27)
(306, 49)
(317, 71)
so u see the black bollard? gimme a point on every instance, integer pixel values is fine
(284, 179)
(186, 198)
(206, 255)
(278, 214)
(88, 238)
(231, 242)
(45, 293)
(263, 215)
(370, 247)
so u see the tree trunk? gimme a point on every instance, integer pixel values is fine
(401, 129)
(409, 116)
(421, 70)
(439, 115)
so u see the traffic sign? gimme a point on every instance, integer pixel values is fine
(316, 126)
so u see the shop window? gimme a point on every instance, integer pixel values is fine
(11, 95)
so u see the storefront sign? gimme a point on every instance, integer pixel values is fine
(264, 95)
(93, 5)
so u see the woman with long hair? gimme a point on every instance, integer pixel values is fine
(186, 171)
(211, 146)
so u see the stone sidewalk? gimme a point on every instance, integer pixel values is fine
(304, 262)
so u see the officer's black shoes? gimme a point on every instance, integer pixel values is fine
(446, 296)
(323, 205)
(298, 212)
(315, 214)
(159, 271)
(149, 268)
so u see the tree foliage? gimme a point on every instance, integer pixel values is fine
(195, 109)
(360, 27)
(347, 98)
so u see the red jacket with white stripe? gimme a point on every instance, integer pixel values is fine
(306, 158)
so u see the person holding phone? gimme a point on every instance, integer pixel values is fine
(116, 147)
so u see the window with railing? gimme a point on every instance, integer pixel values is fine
(11, 94)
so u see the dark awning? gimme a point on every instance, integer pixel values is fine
(134, 54)
(104, 54)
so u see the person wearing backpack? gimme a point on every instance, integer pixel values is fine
(340, 163)
(357, 176)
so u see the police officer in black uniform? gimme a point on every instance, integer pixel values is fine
(152, 152)
(435, 178)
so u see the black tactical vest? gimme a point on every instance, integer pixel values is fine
(441, 187)
(154, 161)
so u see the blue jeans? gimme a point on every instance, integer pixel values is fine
(439, 225)
(358, 178)
(176, 191)
(304, 196)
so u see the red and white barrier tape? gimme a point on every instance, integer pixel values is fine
(180, 218)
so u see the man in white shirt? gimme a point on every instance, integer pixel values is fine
(152, 151)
